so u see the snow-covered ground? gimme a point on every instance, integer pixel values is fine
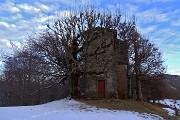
(69, 110)
(171, 103)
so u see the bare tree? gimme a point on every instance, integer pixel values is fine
(65, 44)
(59, 54)
(144, 57)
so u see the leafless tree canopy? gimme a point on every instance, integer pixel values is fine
(56, 57)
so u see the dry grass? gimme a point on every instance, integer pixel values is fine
(130, 105)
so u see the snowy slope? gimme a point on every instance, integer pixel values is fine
(171, 103)
(69, 110)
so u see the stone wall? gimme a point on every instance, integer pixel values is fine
(122, 82)
(102, 60)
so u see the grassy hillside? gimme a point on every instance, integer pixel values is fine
(130, 105)
(174, 82)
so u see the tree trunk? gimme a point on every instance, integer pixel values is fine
(129, 80)
(139, 91)
(137, 71)
(75, 75)
(129, 88)
(75, 85)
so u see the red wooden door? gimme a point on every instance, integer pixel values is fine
(101, 88)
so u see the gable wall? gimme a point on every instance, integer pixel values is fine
(102, 63)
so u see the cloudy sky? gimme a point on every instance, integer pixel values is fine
(159, 20)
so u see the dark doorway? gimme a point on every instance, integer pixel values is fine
(101, 88)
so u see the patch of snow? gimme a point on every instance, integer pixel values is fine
(170, 111)
(69, 110)
(173, 88)
(171, 103)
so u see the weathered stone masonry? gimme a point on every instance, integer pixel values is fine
(105, 65)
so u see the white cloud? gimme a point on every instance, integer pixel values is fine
(5, 44)
(17, 17)
(127, 9)
(28, 8)
(9, 7)
(162, 0)
(147, 30)
(63, 13)
(69, 2)
(84, 2)
(151, 1)
(42, 18)
(175, 47)
(13, 18)
(43, 6)
(41, 27)
(153, 15)
(131, 7)
(4, 24)
(176, 23)
(14, 10)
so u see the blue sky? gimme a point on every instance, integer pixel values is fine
(157, 19)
